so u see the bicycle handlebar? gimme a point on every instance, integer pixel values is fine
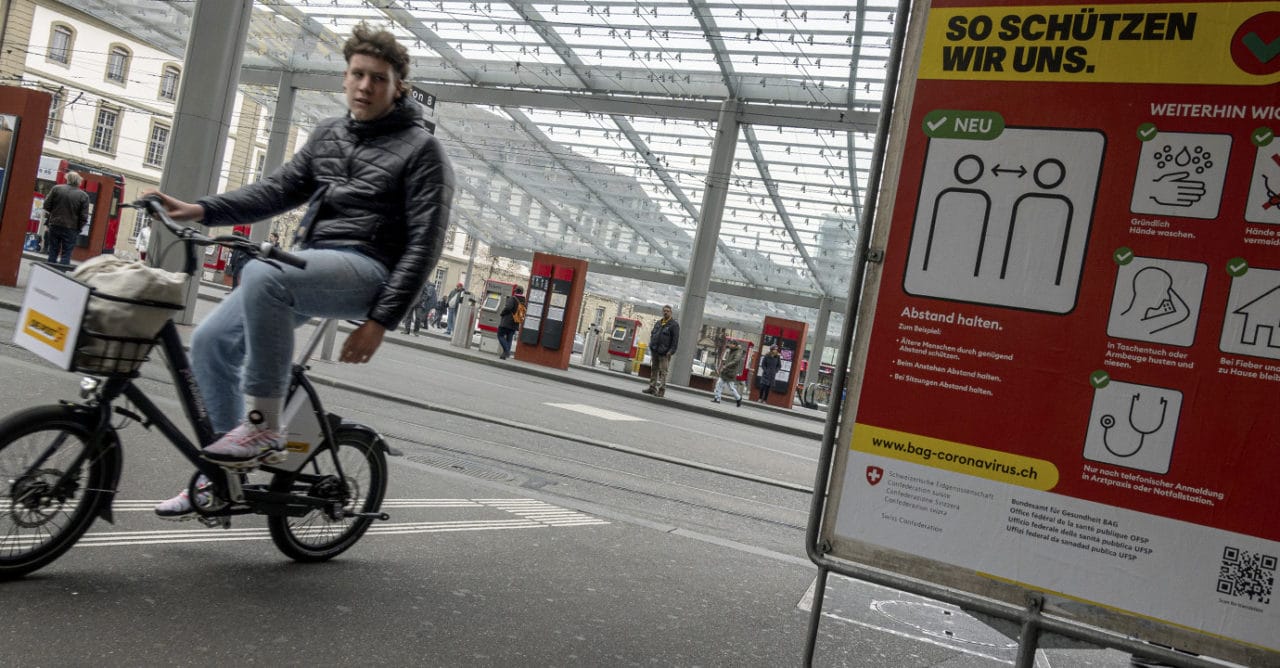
(192, 238)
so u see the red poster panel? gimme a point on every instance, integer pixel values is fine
(1070, 378)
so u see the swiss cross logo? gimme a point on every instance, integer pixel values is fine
(874, 474)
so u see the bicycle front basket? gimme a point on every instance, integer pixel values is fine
(131, 328)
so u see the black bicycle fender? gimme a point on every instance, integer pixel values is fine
(371, 432)
(113, 458)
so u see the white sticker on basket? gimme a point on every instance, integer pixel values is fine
(49, 322)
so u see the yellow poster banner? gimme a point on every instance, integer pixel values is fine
(972, 460)
(1221, 43)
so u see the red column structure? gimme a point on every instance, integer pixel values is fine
(554, 294)
(99, 188)
(31, 109)
(789, 336)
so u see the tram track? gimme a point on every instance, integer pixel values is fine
(645, 483)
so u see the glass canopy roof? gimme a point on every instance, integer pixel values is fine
(586, 128)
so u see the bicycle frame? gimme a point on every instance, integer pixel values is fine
(248, 498)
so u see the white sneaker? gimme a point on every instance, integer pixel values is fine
(247, 445)
(178, 507)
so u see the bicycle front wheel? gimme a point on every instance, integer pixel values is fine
(50, 488)
(317, 536)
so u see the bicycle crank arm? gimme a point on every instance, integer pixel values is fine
(377, 516)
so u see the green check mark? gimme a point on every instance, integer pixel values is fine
(1122, 256)
(1099, 379)
(1237, 267)
(1262, 136)
(1264, 51)
(1147, 131)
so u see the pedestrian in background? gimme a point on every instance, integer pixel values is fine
(236, 263)
(417, 318)
(769, 365)
(438, 310)
(143, 242)
(663, 341)
(512, 317)
(452, 302)
(727, 372)
(68, 211)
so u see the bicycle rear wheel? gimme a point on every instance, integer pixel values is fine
(317, 536)
(43, 509)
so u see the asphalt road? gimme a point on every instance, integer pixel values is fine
(534, 523)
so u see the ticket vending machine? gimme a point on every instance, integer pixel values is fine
(488, 318)
(622, 343)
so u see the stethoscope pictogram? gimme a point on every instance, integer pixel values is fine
(1109, 421)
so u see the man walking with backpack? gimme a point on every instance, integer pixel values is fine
(512, 317)
(727, 372)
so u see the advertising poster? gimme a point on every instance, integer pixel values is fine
(8, 137)
(1070, 382)
(51, 314)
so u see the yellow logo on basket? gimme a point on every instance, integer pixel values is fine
(45, 329)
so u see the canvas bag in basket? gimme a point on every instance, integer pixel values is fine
(110, 275)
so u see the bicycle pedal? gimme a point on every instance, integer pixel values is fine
(248, 465)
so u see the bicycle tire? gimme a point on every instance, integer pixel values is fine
(316, 537)
(31, 535)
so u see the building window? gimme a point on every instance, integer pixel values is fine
(259, 163)
(55, 116)
(157, 145)
(118, 64)
(104, 129)
(442, 275)
(169, 83)
(599, 315)
(60, 40)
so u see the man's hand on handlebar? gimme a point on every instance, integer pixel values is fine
(176, 208)
(362, 343)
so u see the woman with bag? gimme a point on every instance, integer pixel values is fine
(769, 365)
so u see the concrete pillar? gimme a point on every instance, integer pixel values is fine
(471, 262)
(202, 118)
(698, 279)
(819, 337)
(278, 141)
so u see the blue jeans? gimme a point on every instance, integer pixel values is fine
(453, 315)
(245, 346)
(504, 340)
(62, 240)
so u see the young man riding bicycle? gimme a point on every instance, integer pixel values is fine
(378, 189)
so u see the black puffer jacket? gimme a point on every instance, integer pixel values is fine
(383, 186)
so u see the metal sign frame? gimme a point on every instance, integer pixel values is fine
(1035, 612)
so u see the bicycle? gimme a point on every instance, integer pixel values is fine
(60, 464)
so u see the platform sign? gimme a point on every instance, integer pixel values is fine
(1069, 360)
(51, 314)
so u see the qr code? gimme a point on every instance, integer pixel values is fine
(1247, 574)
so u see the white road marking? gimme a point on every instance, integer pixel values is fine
(599, 412)
(531, 514)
